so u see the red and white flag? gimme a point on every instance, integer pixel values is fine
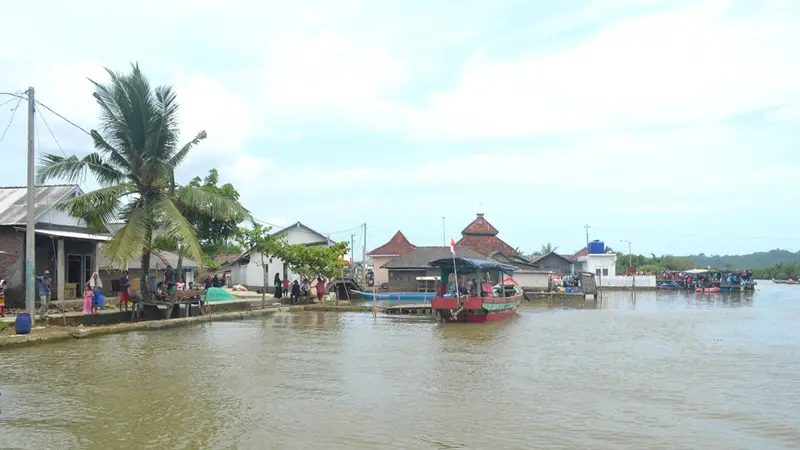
(453, 246)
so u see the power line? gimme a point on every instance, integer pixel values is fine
(62, 117)
(13, 113)
(41, 116)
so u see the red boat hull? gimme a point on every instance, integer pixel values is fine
(476, 309)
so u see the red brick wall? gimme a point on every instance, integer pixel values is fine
(11, 265)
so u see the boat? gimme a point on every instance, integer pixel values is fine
(487, 302)
(708, 290)
(789, 281)
(410, 297)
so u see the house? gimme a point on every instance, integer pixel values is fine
(601, 264)
(554, 262)
(529, 274)
(248, 270)
(64, 245)
(404, 269)
(481, 236)
(110, 272)
(395, 247)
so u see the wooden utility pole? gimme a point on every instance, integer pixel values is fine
(30, 229)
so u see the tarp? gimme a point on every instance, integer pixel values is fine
(215, 294)
(509, 281)
(467, 265)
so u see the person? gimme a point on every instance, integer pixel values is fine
(295, 292)
(305, 288)
(278, 286)
(97, 287)
(44, 292)
(209, 282)
(320, 288)
(88, 299)
(2, 298)
(286, 286)
(215, 281)
(124, 290)
(181, 284)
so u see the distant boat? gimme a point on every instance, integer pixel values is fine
(489, 303)
(789, 281)
(708, 290)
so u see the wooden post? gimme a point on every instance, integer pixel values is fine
(374, 305)
(61, 269)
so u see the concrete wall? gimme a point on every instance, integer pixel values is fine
(534, 281)
(406, 280)
(607, 261)
(627, 281)
(381, 275)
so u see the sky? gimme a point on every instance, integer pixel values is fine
(670, 124)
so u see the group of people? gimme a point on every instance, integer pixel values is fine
(297, 289)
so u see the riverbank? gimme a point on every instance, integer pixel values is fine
(57, 332)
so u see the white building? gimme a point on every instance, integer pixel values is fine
(604, 264)
(248, 271)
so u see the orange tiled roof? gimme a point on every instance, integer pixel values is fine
(397, 245)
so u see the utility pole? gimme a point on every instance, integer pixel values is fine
(364, 254)
(444, 239)
(352, 247)
(630, 255)
(30, 229)
(587, 235)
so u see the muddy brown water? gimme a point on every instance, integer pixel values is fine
(673, 371)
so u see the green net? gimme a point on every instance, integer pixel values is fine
(217, 295)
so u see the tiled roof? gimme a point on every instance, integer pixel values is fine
(541, 257)
(480, 227)
(14, 201)
(582, 252)
(397, 245)
(223, 259)
(485, 244)
(419, 257)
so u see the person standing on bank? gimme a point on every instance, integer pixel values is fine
(44, 293)
(278, 286)
(97, 288)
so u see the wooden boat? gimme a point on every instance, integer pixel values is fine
(488, 302)
(407, 297)
(708, 290)
(789, 281)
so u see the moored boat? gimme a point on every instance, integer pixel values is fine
(409, 297)
(482, 300)
(708, 290)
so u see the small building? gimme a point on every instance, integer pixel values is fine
(404, 269)
(395, 247)
(600, 264)
(554, 262)
(64, 245)
(248, 271)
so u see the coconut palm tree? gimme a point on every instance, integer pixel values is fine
(136, 155)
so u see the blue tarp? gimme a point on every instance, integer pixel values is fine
(465, 265)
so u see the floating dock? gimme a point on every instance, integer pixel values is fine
(410, 309)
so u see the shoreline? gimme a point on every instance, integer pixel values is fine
(56, 333)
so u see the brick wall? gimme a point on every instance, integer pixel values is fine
(11, 265)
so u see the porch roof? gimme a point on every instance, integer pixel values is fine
(71, 235)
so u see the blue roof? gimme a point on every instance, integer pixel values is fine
(465, 265)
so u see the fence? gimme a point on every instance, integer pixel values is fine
(627, 281)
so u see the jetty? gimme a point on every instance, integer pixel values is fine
(409, 309)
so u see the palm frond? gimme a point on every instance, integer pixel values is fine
(210, 204)
(130, 241)
(68, 168)
(105, 173)
(115, 158)
(178, 157)
(99, 206)
(175, 225)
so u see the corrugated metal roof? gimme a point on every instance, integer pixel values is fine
(13, 201)
(75, 235)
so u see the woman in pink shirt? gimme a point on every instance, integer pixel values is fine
(320, 288)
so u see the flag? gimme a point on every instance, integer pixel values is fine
(453, 246)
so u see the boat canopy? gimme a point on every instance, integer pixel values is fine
(468, 265)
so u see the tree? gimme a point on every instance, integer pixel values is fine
(310, 262)
(258, 239)
(136, 155)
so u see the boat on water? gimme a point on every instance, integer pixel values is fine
(789, 281)
(408, 297)
(482, 300)
(708, 290)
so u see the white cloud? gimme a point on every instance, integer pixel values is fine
(680, 67)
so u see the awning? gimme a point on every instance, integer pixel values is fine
(74, 235)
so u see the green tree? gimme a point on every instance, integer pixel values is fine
(258, 239)
(310, 262)
(137, 152)
(214, 234)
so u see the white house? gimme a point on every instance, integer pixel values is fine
(601, 264)
(248, 271)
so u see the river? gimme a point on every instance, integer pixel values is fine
(668, 371)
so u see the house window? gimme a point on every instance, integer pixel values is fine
(605, 272)
(597, 272)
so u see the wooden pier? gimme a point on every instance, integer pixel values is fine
(409, 309)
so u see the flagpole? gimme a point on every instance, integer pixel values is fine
(455, 270)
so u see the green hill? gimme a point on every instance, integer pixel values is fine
(753, 261)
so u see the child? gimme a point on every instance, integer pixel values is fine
(2, 298)
(88, 299)
(295, 292)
